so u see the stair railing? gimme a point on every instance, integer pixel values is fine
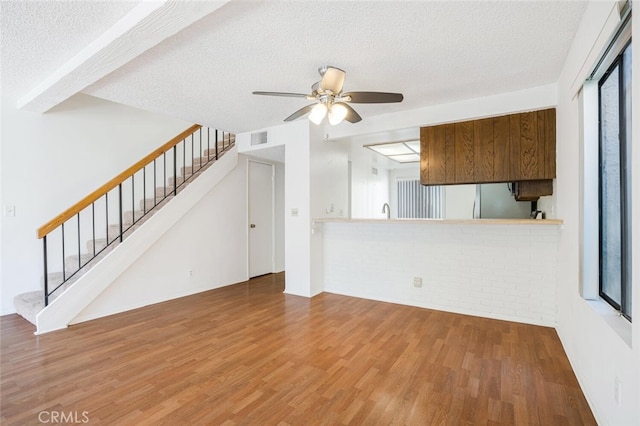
(92, 215)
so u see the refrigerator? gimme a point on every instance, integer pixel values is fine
(495, 201)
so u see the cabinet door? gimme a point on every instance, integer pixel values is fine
(501, 149)
(437, 152)
(533, 145)
(464, 152)
(548, 116)
(483, 150)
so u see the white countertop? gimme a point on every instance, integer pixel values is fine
(542, 222)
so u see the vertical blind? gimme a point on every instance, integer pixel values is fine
(419, 201)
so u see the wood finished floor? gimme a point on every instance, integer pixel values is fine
(249, 354)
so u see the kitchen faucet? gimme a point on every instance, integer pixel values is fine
(386, 209)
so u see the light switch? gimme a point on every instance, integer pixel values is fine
(294, 211)
(9, 211)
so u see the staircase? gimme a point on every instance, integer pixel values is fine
(79, 238)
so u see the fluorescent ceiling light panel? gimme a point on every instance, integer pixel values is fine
(414, 146)
(391, 149)
(401, 152)
(405, 158)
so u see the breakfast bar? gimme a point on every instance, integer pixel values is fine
(496, 268)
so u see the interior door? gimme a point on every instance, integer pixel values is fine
(260, 218)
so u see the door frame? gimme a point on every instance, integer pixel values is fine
(248, 222)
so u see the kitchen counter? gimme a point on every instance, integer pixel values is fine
(540, 222)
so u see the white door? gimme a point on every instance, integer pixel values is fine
(260, 218)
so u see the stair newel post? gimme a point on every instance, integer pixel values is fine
(120, 209)
(46, 272)
(175, 170)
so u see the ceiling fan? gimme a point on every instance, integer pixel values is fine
(331, 101)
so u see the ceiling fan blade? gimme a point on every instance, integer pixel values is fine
(373, 97)
(299, 113)
(333, 79)
(284, 94)
(352, 116)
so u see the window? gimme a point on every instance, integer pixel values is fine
(419, 201)
(614, 189)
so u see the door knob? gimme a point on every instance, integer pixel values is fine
(253, 225)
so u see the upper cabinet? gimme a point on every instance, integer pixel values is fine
(517, 147)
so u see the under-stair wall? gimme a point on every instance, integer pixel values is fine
(196, 242)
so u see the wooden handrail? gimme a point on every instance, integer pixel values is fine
(86, 201)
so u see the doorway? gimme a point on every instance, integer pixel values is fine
(261, 218)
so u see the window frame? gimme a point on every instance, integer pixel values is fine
(617, 65)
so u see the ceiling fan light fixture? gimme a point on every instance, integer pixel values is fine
(337, 113)
(332, 100)
(317, 113)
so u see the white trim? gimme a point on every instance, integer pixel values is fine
(598, 48)
(273, 214)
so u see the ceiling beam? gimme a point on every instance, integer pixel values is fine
(146, 25)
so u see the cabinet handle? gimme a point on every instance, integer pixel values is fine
(253, 225)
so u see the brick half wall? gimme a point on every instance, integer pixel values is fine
(505, 272)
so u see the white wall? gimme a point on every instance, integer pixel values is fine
(206, 241)
(295, 138)
(329, 194)
(52, 160)
(311, 166)
(329, 176)
(279, 217)
(496, 271)
(598, 354)
(369, 183)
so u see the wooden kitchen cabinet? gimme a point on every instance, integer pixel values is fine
(516, 147)
(440, 163)
(533, 145)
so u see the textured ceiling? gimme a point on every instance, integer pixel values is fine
(39, 36)
(432, 52)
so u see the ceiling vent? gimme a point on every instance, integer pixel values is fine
(259, 138)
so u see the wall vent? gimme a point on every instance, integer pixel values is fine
(258, 138)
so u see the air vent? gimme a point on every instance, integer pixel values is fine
(258, 138)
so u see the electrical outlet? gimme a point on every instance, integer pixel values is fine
(294, 211)
(190, 273)
(417, 282)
